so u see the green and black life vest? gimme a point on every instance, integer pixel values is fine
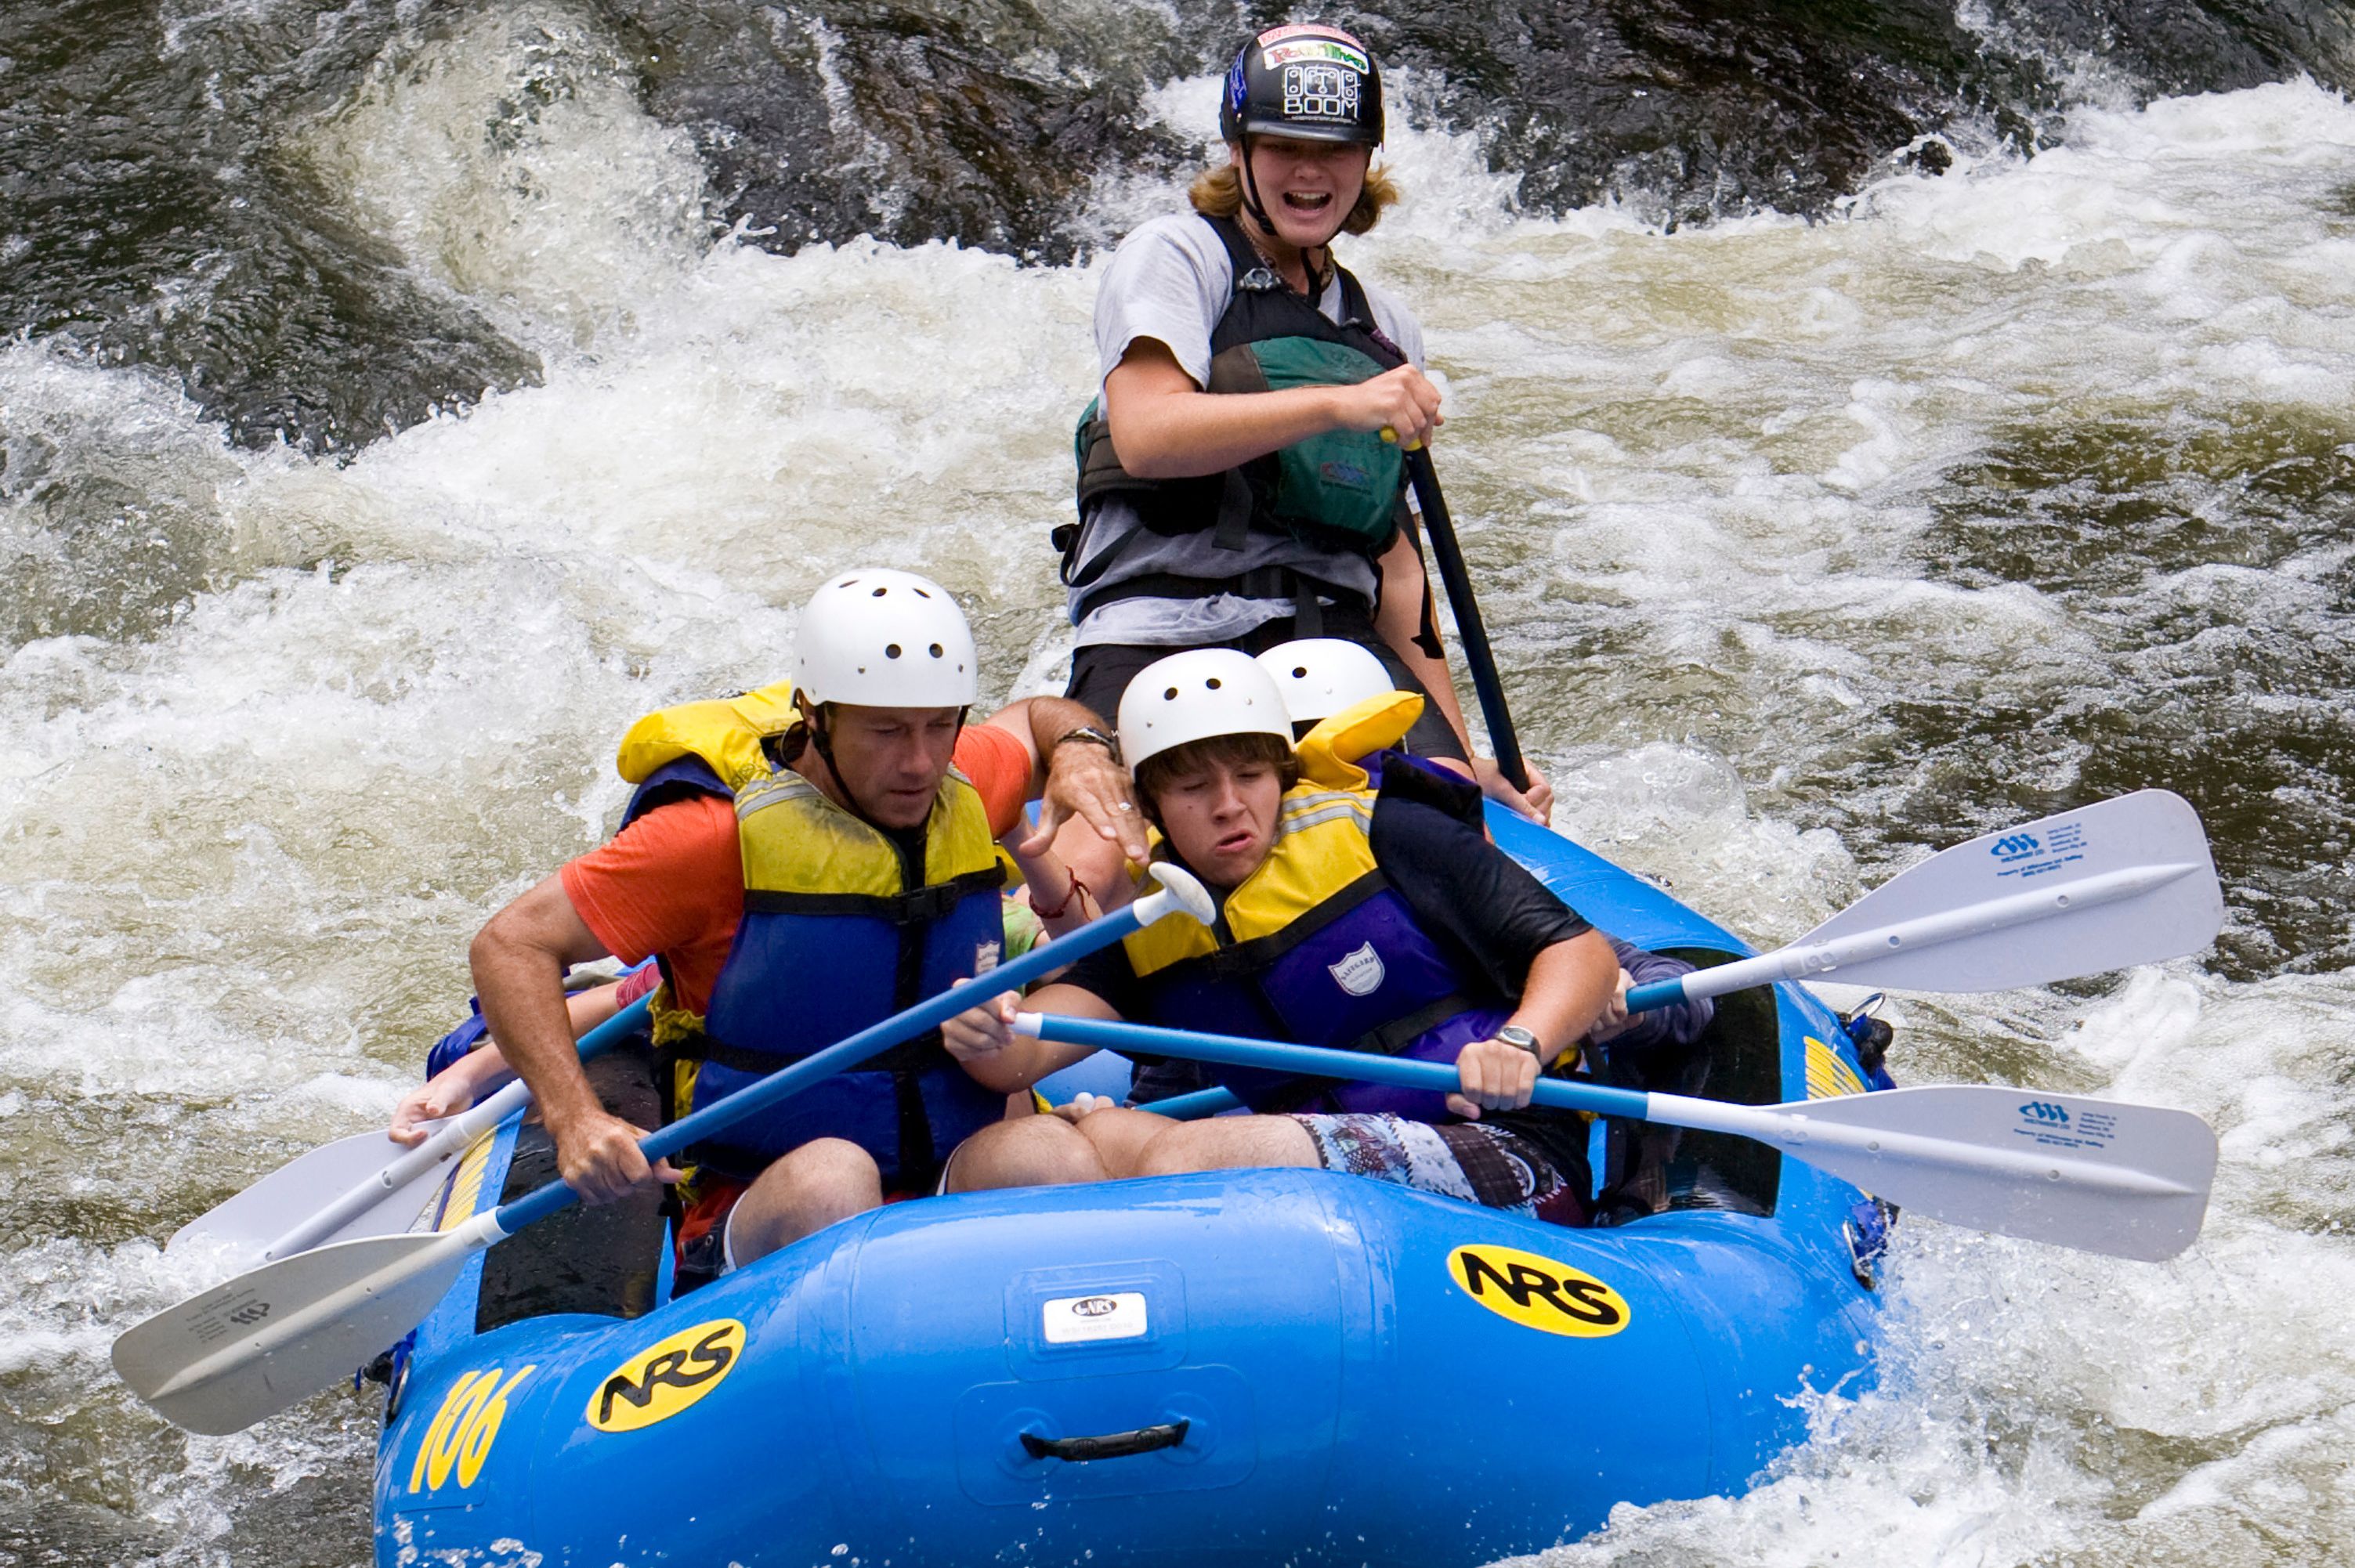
(1342, 490)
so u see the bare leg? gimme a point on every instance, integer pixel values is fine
(1028, 1152)
(801, 1193)
(1120, 1136)
(1227, 1143)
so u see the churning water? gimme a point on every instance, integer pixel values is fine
(1809, 548)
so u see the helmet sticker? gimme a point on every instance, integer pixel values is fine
(1330, 49)
(1320, 92)
(1304, 30)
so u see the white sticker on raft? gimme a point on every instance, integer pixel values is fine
(1082, 1319)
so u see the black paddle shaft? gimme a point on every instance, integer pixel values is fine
(1458, 582)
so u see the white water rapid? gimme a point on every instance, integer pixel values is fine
(1763, 516)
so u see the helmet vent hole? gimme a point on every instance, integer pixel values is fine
(1300, 672)
(936, 651)
(920, 593)
(891, 650)
(1213, 682)
(1170, 696)
(878, 593)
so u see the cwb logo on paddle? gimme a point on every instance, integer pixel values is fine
(464, 1429)
(1537, 1292)
(667, 1377)
(2045, 1111)
(2015, 846)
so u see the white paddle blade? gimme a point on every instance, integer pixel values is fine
(2105, 887)
(244, 1226)
(2099, 1175)
(268, 1340)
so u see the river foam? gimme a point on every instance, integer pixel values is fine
(1796, 545)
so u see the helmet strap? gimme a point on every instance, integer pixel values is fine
(821, 740)
(1252, 204)
(1317, 276)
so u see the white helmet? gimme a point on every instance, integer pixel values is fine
(1195, 695)
(1319, 676)
(882, 638)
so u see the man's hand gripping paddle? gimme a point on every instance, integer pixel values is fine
(223, 1359)
(2098, 1175)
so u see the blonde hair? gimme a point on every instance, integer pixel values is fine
(1218, 192)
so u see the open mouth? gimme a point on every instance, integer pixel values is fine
(1307, 201)
(1235, 843)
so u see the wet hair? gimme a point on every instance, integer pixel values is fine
(1156, 772)
(1218, 192)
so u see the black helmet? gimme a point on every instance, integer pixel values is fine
(1311, 82)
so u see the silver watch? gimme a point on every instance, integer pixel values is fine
(1514, 1035)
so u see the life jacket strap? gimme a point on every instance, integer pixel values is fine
(1306, 593)
(917, 907)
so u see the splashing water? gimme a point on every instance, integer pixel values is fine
(1808, 548)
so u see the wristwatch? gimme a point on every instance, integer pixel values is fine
(1514, 1035)
(1089, 734)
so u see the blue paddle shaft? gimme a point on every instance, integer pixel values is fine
(791, 1080)
(1658, 994)
(1194, 1106)
(1315, 1062)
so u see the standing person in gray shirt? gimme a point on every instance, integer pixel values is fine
(1240, 482)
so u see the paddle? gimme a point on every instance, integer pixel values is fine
(380, 1190)
(225, 1359)
(2099, 1175)
(1469, 627)
(2121, 882)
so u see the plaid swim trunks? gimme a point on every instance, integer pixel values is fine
(1467, 1161)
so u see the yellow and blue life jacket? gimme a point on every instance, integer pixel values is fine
(841, 928)
(1315, 946)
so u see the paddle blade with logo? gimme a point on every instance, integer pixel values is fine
(269, 1339)
(2103, 1176)
(2105, 887)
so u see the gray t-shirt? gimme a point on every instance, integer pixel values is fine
(1170, 281)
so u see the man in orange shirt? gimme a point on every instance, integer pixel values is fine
(801, 874)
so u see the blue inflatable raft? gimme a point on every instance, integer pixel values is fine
(1238, 1367)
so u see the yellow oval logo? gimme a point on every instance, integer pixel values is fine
(667, 1377)
(1537, 1292)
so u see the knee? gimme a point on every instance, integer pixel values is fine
(1171, 1152)
(830, 1173)
(1032, 1151)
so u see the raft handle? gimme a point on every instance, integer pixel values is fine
(1111, 1445)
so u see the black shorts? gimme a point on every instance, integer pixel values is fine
(1102, 671)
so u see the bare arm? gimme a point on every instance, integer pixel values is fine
(1399, 616)
(1076, 780)
(519, 958)
(1405, 588)
(998, 1058)
(1164, 426)
(1570, 986)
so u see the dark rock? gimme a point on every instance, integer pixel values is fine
(144, 217)
(987, 123)
(1691, 109)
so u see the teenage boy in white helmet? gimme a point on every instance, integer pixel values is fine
(803, 865)
(1385, 925)
(1328, 684)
